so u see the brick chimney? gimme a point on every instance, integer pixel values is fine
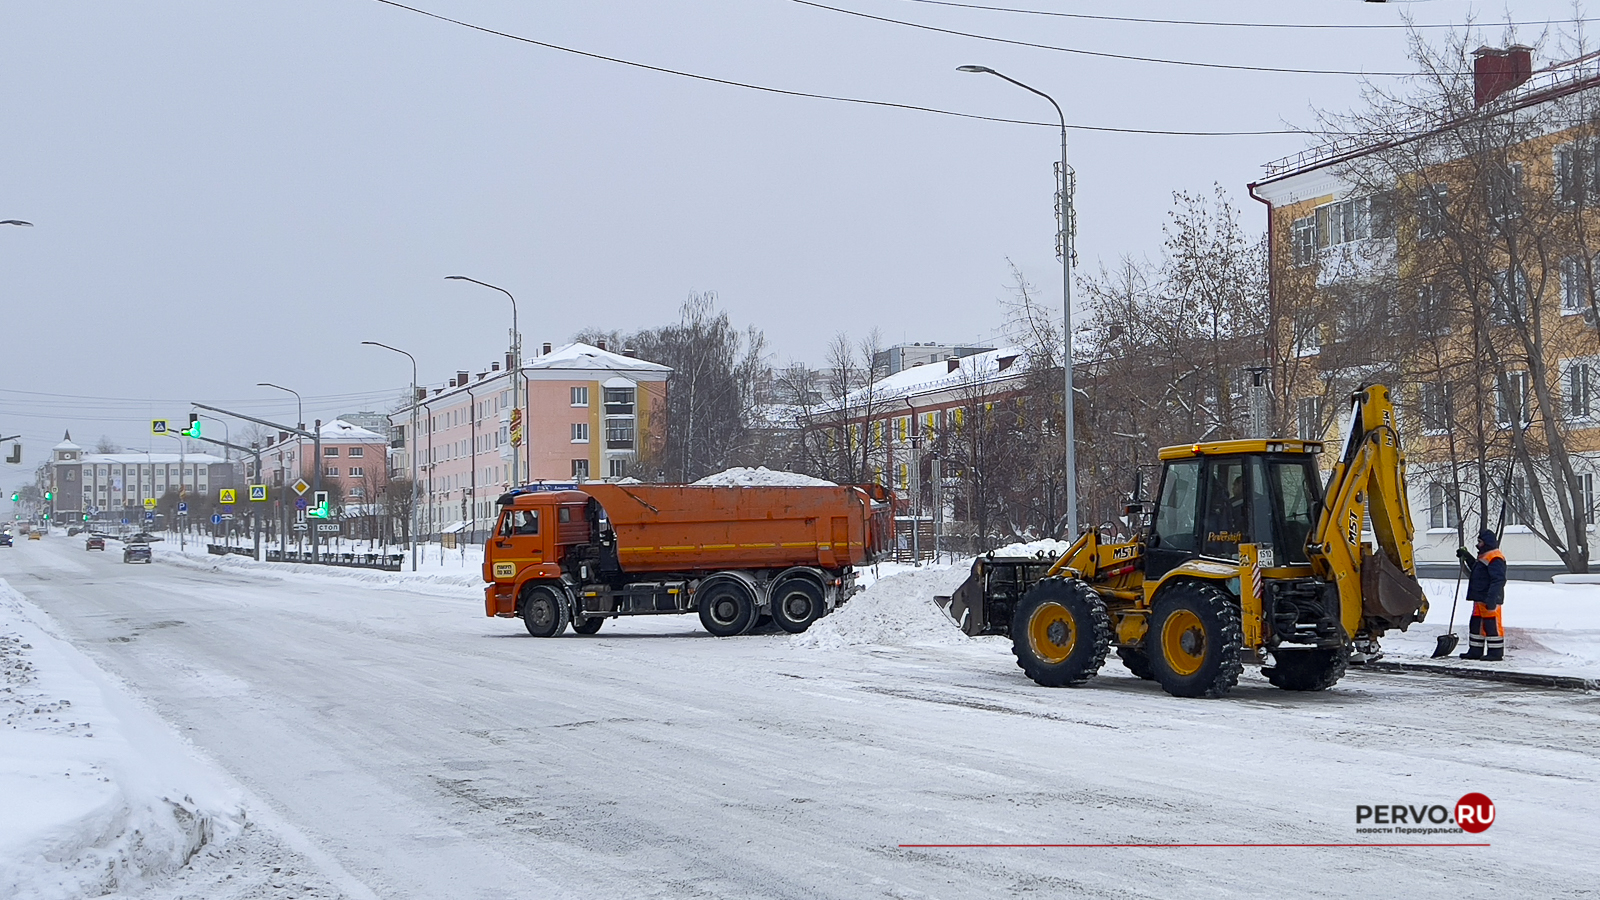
(952, 364)
(546, 349)
(461, 378)
(1495, 71)
(600, 344)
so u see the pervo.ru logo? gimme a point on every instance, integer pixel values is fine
(1473, 813)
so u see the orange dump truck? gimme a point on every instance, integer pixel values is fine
(735, 555)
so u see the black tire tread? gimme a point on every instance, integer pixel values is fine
(1206, 599)
(1136, 662)
(1310, 669)
(1072, 672)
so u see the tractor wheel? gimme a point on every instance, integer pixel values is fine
(1194, 639)
(1136, 662)
(1307, 669)
(587, 624)
(1060, 632)
(796, 603)
(727, 609)
(544, 611)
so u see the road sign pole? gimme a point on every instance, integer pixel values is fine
(316, 476)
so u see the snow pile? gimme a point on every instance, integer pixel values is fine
(761, 476)
(451, 572)
(896, 610)
(99, 795)
(1049, 548)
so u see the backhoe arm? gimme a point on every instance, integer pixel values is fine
(1376, 589)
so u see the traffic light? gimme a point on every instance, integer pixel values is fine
(16, 454)
(194, 426)
(49, 495)
(15, 496)
(319, 505)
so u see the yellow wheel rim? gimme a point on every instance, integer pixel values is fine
(1183, 642)
(1052, 633)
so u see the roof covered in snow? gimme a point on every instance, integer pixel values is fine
(343, 432)
(134, 458)
(979, 374)
(580, 357)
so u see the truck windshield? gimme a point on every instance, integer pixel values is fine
(1295, 492)
(519, 522)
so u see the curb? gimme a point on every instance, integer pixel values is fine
(1527, 679)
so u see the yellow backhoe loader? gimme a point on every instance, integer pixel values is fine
(1246, 559)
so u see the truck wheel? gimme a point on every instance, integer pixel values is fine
(1194, 639)
(587, 624)
(796, 603)
(1136, 662)
(1307, 669)
(727, 609)
(544, 611)
(1060, 632)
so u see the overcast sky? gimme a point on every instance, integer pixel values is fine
(233, 192)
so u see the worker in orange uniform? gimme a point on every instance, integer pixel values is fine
(1486, 588)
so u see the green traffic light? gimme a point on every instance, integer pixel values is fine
(48, 495)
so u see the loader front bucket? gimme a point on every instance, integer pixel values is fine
(965, 606)
(984, 602)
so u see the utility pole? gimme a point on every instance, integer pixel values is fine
(411, 450)
(254, 449)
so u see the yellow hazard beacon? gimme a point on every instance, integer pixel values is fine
(1247, 558)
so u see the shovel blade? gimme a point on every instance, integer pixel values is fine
(1447, 645)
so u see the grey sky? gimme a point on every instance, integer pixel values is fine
(227, 193)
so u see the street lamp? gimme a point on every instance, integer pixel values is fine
(516, 368)
(411, 450)
(16, 222)
(1065, 225)
(299, 411)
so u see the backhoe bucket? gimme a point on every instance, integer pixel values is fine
(984, 602)
(1388, 593)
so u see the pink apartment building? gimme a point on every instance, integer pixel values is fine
(354, 458)
(588, 414)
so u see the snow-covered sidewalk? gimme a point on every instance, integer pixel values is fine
(100, 795)
(1551, 629)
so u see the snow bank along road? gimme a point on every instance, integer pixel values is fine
(432, 753)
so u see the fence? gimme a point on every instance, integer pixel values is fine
(387, 561)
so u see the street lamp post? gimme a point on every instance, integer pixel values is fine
(299, 409)
(516, 370)
(411, 450)
(1066, 226)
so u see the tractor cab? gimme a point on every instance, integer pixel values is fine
(1214, 497)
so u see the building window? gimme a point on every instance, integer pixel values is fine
(1434, 400)
(356, 471)
(357, 492)
(1444, 507)
(1579, 384)
(1518, 506)
(1586, 488)
(619, 401)
(617, 468)
(1433, 309)
(1433, 210)
(1505, 193)
(1307, 335)
(580, 396)
(1511, 398)
(330, 472)
(580, 469)
(1304, 238)
(619, 434)
(1308, 414)
(1576, 285)
(580, 432)
(1577, 177)
(1347, 220)
(357, 452)
(330, 451)
(1509, 303)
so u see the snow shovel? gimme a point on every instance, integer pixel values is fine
(1449, 640)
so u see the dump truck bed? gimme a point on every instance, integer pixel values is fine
(677, 528)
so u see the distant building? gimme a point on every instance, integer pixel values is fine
(588, 413)
(355, 459)
(114, 483)
(900, 357)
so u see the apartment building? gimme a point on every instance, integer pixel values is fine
(115, 485)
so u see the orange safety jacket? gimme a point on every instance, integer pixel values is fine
(1478, 607)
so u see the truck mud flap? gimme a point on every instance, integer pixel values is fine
(1388, 593)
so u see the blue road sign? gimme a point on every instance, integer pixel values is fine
(148, 517)
(216, 519)
(124, 521)
(183, 507)
(301, 503)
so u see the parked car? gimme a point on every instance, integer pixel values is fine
(136, 553)
(5, 538)
(95, 542)
(75, 530)
(35, 535)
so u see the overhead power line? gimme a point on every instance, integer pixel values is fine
(816, 96)
(1101, 54)
(1151, 21)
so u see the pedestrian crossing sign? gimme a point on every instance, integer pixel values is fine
(258, 492)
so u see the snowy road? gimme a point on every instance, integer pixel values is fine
(437, 754)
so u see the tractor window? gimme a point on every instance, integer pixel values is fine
(1295, 495)
(1180, 500)
(1227, 522)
